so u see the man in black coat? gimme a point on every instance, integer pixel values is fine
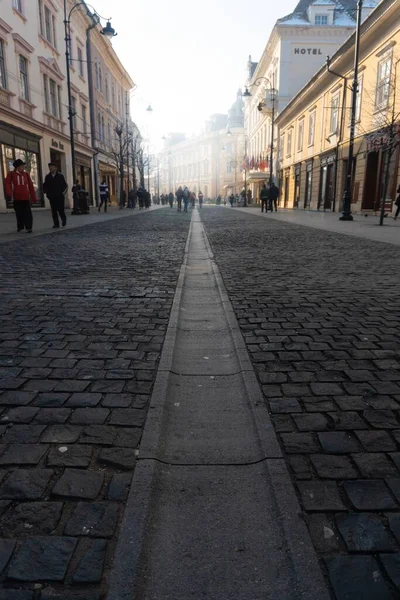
(55, 188)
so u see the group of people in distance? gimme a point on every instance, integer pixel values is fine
(269, 197)
(186, 197)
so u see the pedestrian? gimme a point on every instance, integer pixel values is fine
(186, 197)
(19, 188)
(55, 187)
(76, 188)
(231, 200)
(147, 199)
(141, 197)
(122, 199)
(192, 200)
(273, 195)
(132, 199)
(179, 197)
(264, 198)
(201, 198)
(397, 203)
(104, 195)
(249, 196)
(171, 199)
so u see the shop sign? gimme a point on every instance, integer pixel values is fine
(315, 51)
(56, 144)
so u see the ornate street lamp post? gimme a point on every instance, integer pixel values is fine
(109, 32)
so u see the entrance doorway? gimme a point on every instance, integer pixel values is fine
(57, 159)
(287, 183)
(297, 181)
(371, 185)
(307, 195)
(325, 200)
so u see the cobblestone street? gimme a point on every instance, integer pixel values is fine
(320, 315)
(83, 319)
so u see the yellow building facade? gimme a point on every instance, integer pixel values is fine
(314, 127)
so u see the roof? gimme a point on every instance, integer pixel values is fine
(342, 7)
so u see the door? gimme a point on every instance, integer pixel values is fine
(371, 183)
(286, 199)
(322, 187)
(296, 199)
(307, 196)
(326, 193)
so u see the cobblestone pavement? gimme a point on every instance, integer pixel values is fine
(82, 323)
(320, 315)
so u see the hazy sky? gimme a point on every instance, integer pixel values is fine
(188, 57)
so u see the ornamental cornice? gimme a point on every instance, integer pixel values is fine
(22, 45)
(5, 28)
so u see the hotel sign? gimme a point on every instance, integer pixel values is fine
(315, 51)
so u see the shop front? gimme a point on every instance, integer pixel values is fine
(84, 175)
(108, 174)
(16, 143)
(326, 196)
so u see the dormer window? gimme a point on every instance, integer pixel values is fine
(321, 19)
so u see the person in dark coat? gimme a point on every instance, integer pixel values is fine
(141, 194)
(171, 199)
(55, 187)
(264, 198)
(104, 195)
(397, 203)
(273, 195)
(179, 197)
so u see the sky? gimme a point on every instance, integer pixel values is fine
(188, 58)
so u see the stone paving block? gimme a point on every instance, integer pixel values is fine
(72, 385)
(311, 422)
(338, 442)
(14, 594)
(118, 400)
(90, 566)
(381, 419)
(320, 496)
(90, 416)
(391, 564)
(98, 519)
(347, 421)
(62, 434)
(394, 485)
(331, 466)
(75, 483)
(364, 532)
(23, 414)
(51, 399)
(394, 524)
(283, 423)
(376, 441)
(301, 467)
(23, 434)
(121, 458)
(369, 495)
(375, 465)
(357, 577)
(23, 454)
(284, 405)
(6, 550)
(50, 416)
(33, 518)
(70, 456)
(83, 400)
(323, 533)
(26, 484)
(16, 398)
(299, 443)
(128, 437)
(128, 417)
(42, 559)
(118, 488)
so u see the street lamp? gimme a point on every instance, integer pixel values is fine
(108, 32)
(346, 215)
(273, 93)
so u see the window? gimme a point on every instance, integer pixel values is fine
(311, 128)
(47, 25)
(96, 74)
(53, 98)
(100, 79)
(3, 80)
(80, 61)
(300, 136)
(73, 115)
(98, 127)
(107, 88)
(23, 77)
(289, 142)
(113, 96)
(84, 116)
(109, 132)
(334, 124)
(60, 111)
(102, 129)
(40, 5)
(46, 93)
(358, 101)
(383, 83)
(321, 19)
(53, 24)
(229, 167)
(17, 4)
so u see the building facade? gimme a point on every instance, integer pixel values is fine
(34, 107)
(210, 162)
(314, 127)
(296, 49)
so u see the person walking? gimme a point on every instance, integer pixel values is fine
(104, 195)
(132, 199)
(171, 199)
(55, 187)
(186, 197)
(397, 203)
(264, 198)
(179, 197)
(19, 188)
(273, 195)
(201, 198)
(147, 199)
(192, 200)
(231, 200)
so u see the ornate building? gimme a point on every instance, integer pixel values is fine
(296, 49)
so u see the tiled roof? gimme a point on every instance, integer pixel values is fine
(300, 12)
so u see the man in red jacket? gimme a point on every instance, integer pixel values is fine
(19, 188)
